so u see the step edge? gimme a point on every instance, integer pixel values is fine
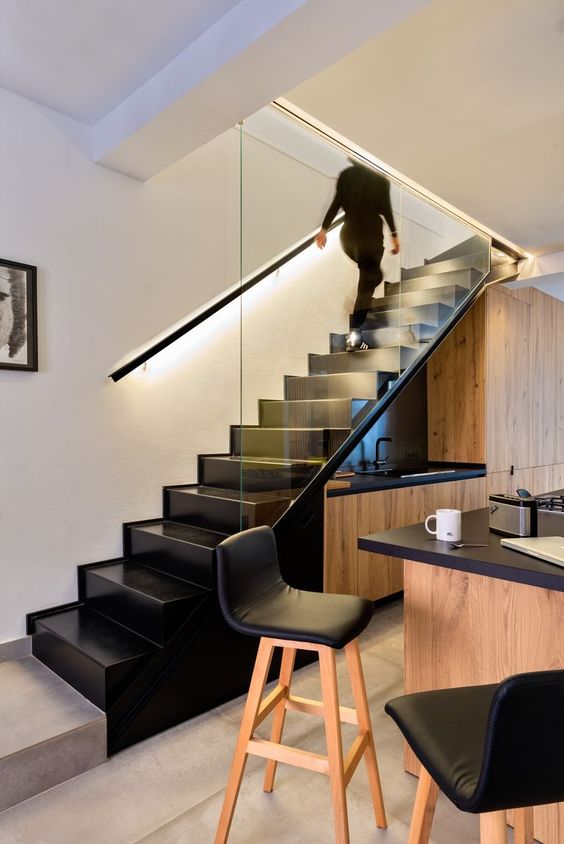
(264, 428)
(222, 498)
(95, 721)
(37, 615)
(150, 597)
(340, 374)
(186, 541)
(70, 644)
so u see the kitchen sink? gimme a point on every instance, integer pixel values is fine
(404, 473)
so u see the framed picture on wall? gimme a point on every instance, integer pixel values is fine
(18, 316)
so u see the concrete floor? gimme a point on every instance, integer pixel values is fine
(169, 789)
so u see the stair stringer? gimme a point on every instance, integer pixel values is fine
(178, 683)
(304, 508)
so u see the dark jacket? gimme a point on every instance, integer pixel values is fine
(364, 195)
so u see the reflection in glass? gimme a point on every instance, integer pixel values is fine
(302, 392)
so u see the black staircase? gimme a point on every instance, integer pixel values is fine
(145, 641)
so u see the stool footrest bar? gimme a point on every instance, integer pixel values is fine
(315, 707)
(289, 755)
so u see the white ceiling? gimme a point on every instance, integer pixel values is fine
(84, 57)
(467, 99)
(138, 84)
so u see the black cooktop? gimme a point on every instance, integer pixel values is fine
(551, 503)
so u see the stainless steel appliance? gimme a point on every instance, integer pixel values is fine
(513, 515)
(551, 503)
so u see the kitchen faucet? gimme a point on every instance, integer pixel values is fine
(377, 461)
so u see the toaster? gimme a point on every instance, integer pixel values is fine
(512, 515)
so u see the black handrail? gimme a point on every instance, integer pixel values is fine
(216, 306)
(336, 460)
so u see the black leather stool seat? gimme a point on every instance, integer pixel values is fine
(448, 743)
(255, 600)
(491, 747)
(324, 619)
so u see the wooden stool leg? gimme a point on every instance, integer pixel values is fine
(334, 742)
(493, 828)
(424, 809)
(256, 689)
(352, 653)
(523, 826)
(286, 671)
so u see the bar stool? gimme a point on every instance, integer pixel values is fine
(489, 749)
(255, 600)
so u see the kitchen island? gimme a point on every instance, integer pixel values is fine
(476, 615)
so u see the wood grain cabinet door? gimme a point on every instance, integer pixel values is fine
(340, 545)
(378, 575)
(509, 396)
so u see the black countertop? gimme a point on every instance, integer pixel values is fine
(436, 475)
(414, 543)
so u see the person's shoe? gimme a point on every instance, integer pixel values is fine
(355, 343)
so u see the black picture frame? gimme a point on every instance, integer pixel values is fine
(18, 316)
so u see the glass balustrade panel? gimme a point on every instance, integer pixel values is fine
(337, 316)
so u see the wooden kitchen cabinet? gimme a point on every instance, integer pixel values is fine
(495, 395)
(495, 390)
(349, 571)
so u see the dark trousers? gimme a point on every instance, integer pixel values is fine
(366, 249)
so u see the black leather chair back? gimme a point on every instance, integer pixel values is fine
(523, 763)
(247, 570)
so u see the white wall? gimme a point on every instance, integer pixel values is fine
(117, 262)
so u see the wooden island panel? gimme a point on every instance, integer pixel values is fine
(466, 629)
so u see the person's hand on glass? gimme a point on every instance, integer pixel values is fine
(321, 238)
(395, 244)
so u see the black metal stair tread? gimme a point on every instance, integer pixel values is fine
(346, 402)
(367, 353)
(293, 430)
(181, 532)
(154, 584)
(464, 262)
(232, 494)
(100, 639)
(309, 401)
(352, 375)
(433, 296)
(262, 462)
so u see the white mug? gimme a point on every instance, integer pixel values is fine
(449, 525)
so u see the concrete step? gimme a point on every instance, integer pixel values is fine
(49, 732)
